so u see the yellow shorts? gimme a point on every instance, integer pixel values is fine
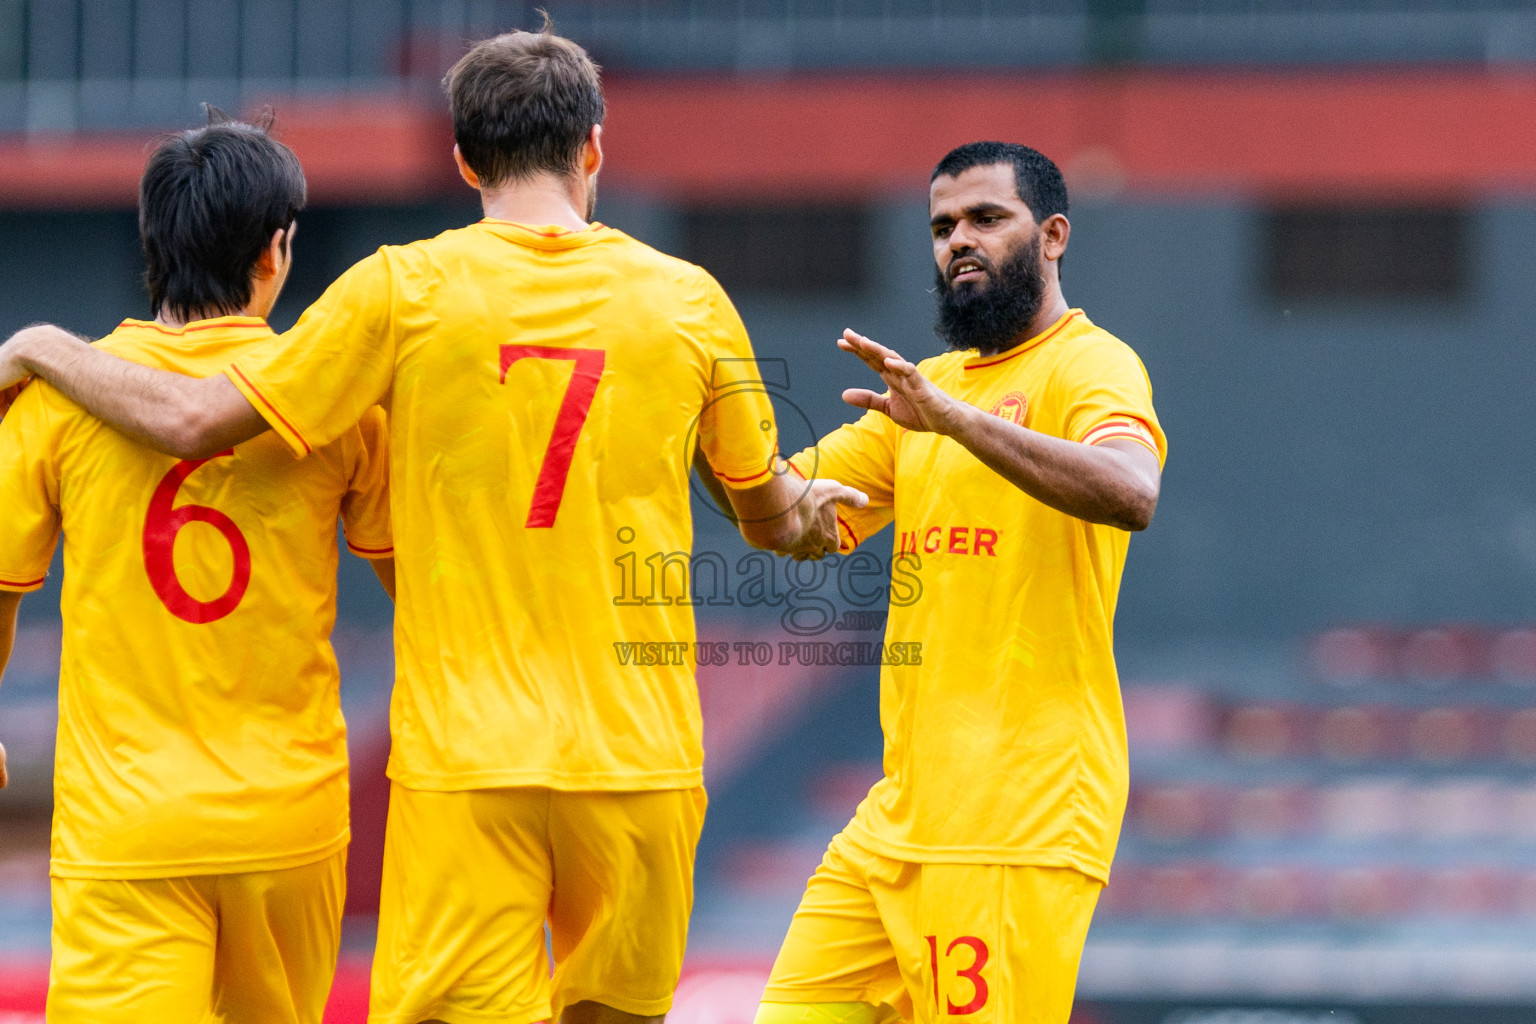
(256, 946)
(472, 877)
(960, 943)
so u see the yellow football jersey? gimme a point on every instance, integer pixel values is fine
(545, 389)
(1006, 745)
(200, 726)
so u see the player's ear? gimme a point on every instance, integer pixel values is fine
(592, 151)
(1053, 236)
(465, 171)
(271, 260)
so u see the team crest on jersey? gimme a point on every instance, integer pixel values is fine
(1011, 407)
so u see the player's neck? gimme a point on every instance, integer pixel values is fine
(545, 199)
(1052, 309)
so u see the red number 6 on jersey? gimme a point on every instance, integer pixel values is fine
(162, 525)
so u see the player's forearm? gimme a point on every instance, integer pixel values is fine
(807, 526)
(1096, 483)
(186, 417)
(384, 569)
(10, 605)
(713, 484)
(769, 515)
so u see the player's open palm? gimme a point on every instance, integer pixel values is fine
(911, 399)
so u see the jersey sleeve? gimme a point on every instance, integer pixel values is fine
(736, 427)
(313, 383)
(1109, 397)
(861, 454)
(29, 493)
(365, 507)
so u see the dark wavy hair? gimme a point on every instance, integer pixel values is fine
(209, 202)
(523, 103)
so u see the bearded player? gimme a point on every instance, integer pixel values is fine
(200, 795)
(548, 381)
(1014, 467)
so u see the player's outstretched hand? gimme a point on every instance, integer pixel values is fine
(912, 400)
(4, 779)
(818, 512)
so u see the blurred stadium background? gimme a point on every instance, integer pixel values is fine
(1314, 219)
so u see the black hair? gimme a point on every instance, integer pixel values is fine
(209, 202)
(1036, 179)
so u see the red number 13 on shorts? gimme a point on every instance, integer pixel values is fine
(971, 972)
(572, 416)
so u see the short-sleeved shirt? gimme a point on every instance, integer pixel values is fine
(1006, 743)
(546, 389)
(200, 727)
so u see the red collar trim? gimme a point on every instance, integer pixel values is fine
(236, 322)
(543, 230)
(1020, 349)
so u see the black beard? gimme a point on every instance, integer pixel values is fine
(990, 316)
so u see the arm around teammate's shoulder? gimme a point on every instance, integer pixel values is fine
(185, 417)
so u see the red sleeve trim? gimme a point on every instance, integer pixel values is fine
(744, 479)
(1121, 421)
(1127, 436)
(1119, 424)
(273, 409)
(23, 584)
(853, 538)
(376, 552)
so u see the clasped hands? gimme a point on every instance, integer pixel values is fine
(911, 400)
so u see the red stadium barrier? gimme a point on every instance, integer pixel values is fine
(835, 136)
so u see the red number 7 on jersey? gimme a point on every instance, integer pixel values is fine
(572, 416)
